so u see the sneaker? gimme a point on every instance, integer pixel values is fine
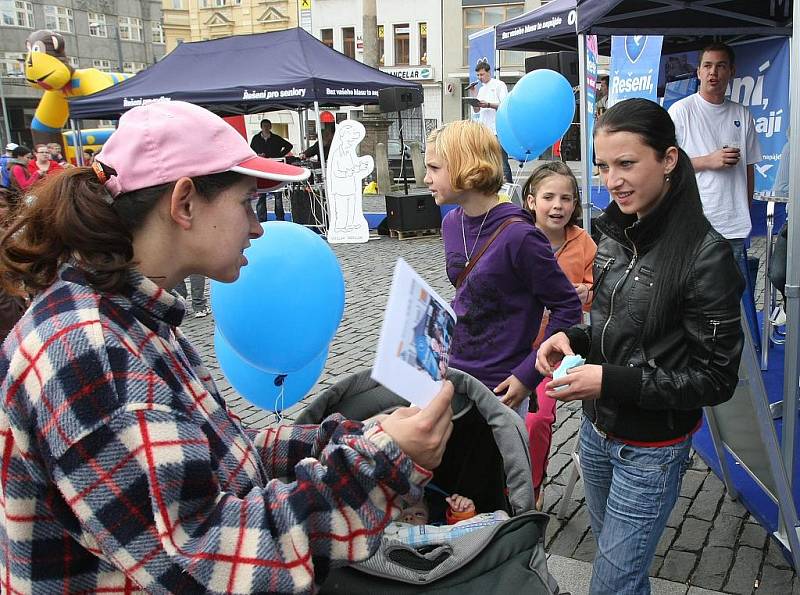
(778, 317)
(201, 313)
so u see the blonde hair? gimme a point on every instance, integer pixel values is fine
(472, 154)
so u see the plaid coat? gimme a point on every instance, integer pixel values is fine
(122, 469)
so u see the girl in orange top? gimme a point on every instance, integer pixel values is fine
(551, 196)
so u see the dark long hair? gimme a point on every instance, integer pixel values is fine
(684, 225)
(71, 215)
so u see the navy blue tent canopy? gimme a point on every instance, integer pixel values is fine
(686, 24)
(244, 74)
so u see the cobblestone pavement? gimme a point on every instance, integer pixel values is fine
(710, 542)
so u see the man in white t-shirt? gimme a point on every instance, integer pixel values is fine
(491, 94)
(720, 137)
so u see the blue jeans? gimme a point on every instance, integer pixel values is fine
(748, 297)
(630, 493)
(506, 167)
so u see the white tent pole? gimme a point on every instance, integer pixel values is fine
(322, 159)
(586, 167)
(792, 306)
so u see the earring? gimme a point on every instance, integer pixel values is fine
(666, 177)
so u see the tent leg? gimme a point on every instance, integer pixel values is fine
(586, 170)
(76, 130)
(323, 165)
(792, 292)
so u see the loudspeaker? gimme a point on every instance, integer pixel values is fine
(414, 211)
(396, 99)
(571, 143)
(305, 210)
(564, 62)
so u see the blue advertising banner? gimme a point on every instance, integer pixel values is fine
(591, 86)
(761, 82)
(481, 48)
(634, 67)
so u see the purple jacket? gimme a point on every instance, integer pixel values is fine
(499, 305)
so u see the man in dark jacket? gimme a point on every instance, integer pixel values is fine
(267, 144)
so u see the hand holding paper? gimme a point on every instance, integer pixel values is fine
(414, 346)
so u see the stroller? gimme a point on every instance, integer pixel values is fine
(486, 460)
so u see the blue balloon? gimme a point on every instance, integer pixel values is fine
(540, 109)
(262, 388)
(287, 304)
(506, 134)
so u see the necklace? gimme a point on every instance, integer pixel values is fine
(477, 237)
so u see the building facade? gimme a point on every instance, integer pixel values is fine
(409, 46)
(121, 36)
(461, 19)
(200, 20)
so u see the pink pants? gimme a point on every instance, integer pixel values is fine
(540, 434)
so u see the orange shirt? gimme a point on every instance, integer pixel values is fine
(575, 257)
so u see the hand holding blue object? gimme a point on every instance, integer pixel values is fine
(569, 361)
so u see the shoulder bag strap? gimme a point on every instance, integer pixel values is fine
(474, 260)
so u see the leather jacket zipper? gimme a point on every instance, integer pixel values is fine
(619, 282)
(714, 327)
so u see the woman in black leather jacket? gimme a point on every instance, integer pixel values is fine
(665, 340)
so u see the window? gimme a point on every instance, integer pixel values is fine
(423, 43)
(477, 18)
(158, 32)
(177, 4)
(59, 18)
(349, 41)
(12, 64)
(381, 45)
(401, 45)
(130, 28)
(16, 13)
(326, 36)
(104, 65)
(74, 62)
(97, 25)
(133, 67)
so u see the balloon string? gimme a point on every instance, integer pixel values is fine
(279, 400)
(519, 173)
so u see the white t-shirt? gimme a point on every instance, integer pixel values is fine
(703, 128)
(494, 92)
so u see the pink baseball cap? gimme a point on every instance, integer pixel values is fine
(166, 140)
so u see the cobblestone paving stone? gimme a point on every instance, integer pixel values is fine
(711, 542)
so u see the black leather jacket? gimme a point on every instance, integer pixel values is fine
(654, 392)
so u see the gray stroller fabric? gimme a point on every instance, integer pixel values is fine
(359, 397)
(488, 450)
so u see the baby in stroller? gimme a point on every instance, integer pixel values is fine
(415, 525)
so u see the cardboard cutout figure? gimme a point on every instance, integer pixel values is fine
(346, 172)
(47, 68)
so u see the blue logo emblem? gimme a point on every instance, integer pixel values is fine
(737, 123)
(634, 46)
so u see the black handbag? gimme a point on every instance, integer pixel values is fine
(777, 260)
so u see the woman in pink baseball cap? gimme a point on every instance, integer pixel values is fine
(122, 469)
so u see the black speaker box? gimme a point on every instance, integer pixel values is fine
(413, 211)
(564, 62)
(396, 99)
(305, 210)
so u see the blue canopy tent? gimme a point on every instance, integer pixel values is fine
(688, 24)
(247, 74)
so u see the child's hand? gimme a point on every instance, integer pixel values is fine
(583, 292)
(460, 503)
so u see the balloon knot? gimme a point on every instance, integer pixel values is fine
(279, 379)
